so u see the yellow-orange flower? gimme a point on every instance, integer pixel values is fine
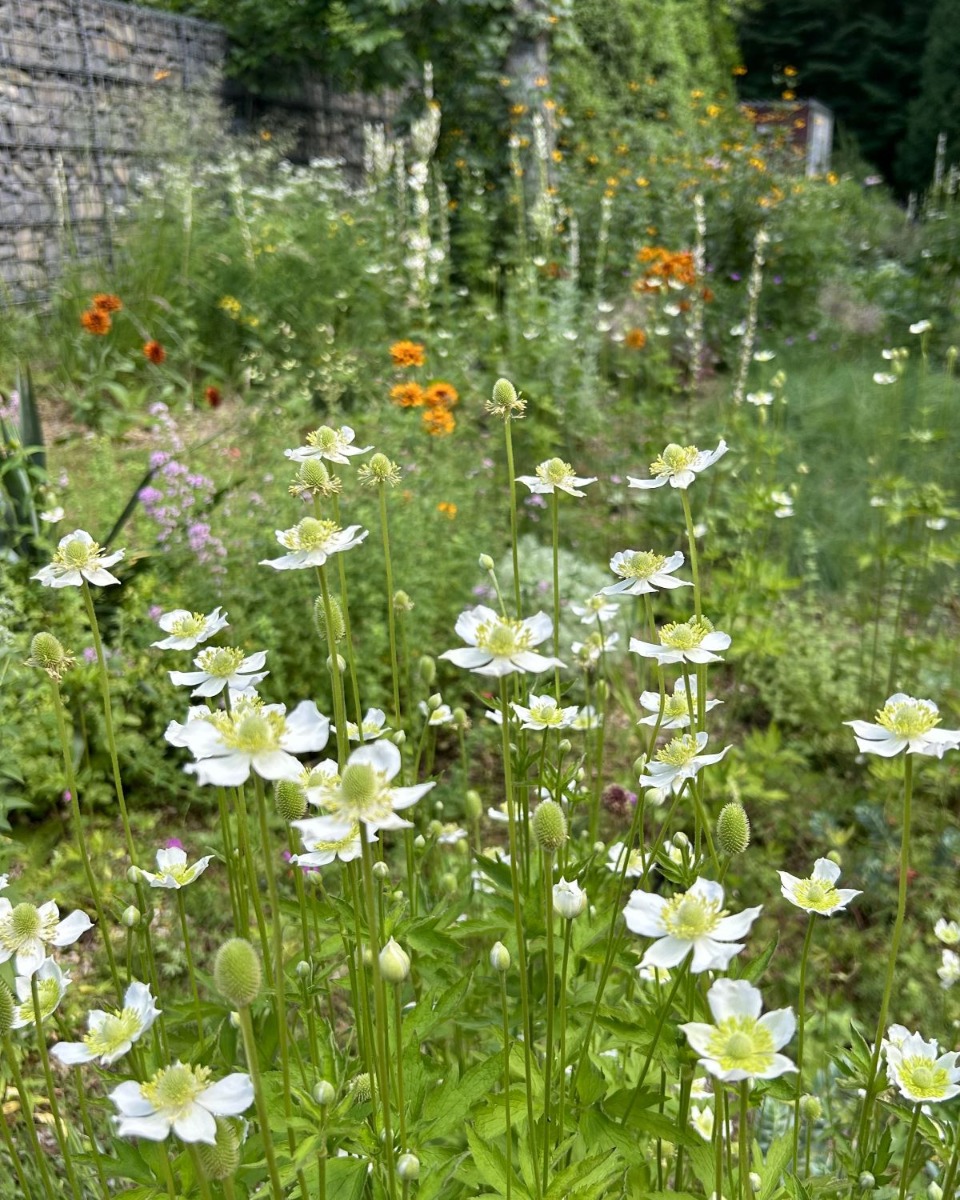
(407, 354)
(154, 352)
(636, 339)
(441, 395)
(448, 510)
(106, 302)
(438, 421)
(407, 395)
(95, 321)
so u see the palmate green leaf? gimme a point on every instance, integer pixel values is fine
(702, 1163)
(585, 1179)
(346, 1178)
(436, 1006)
(774, 1165)
(447, 1108)
(488, 1162)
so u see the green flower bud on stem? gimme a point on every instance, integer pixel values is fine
(221, 1160)
(237, 972)
(810, 1108)
(549, 826)
(408, 1167)
(427, 670)
(402, 602)
(130, 916)
(500, 957)
(291, 800)
(733, 828)
(336, 618)
(324, 1093)
(472, 805)
(7, 1008)
(394, 963)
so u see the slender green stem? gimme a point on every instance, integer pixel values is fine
(253, 883)
(550, 984)
(263, 1115)
(339, 708)
(241, 912)
(905, 1172)
(347, 635)
(744, 1138)
(26, 1107)
(391, 615)
(950, 1176)
(201, 1179)
(661, 1021)
(11, 1148)
(692, 545)
(361, 998)
(506, 1079)
(512, 482)
(801, 1018)
(555, 531)
(168, 1179)
(58, 1126)
(567, 932)
(718, 1145)
(398, 1034)
(184, 928)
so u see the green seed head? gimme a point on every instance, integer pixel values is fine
(810, 1108)
(505, 401)
(47, 653)
(549, 825)
(291, 799)
(6, 1009)
(237, 972)
(360, 1088)
(472, 805)
(402, 602)
(336, 618)
(220, 1161)
(733, 828)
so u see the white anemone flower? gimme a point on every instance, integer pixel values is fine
(77, 558)
(569, 899)
(451, 833)
(591, 650)
(365, 794)
(335, 445)
(52, 515)
(920, 327)
(679, 466)
(372, 726)
(326, 839)
(947, 932)
(188, 629)
(693, 641)
(905, 723)
(554, 475)
(498, 645)
(742, 1044)
(920, 1072)
(949, 970)
(543, 712)
(311, 542)
(818, 893)
(884, 378)
(441, 715)
(253, 736)
(172, 871)
(635, 860)
(681, 759)
(181, 1098)
(676, 707)
(26, 931)
(220, 667)
(701, 1120)
(586, 719)
(51, 986)
(111, 1034)
(693, 920)
(760, 399)
(643, 571)
(595, 609)
(320, 782)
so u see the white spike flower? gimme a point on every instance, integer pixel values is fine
(172, 871)
(253, 736)
(905, 723)
(111, 1034)
(818, 893)
(26, 931)
(78, 557)
(181, 1098)
(188, 629)
(365, 794)
(693, 641)
(920, 1072)
(326, 839)
(221, 667)
(311, 542)
(642, 572)
(693, 920)
(742, 1044)
(499, 646)
(679, 466)
(676, 707)
(51, 986)
(554, 475)
(334, 445)
(681, 759)
(543, 712)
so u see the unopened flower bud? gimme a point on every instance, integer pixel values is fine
(381, 870)
(130, 917)
(934, 1190)
(755, 1181)
(438, 808)
(341, 664)
(399, 738)
(427, 670)
(324, 1093)
(367, 956)
(549, 825)
(434, 701)
(449, 883)
(472, 805)
(486, 562)
(402, 602)
(47, 653)
(7, 1008)
(640, 765)
(337, 623)
(419, 842)
(133, 874)
(602, 689)
(733, 828)
(460, 718)
(564, 746)
(810, 1108)
(408, 1167)
(681, 840)
(220, 1161)
(434, 829)
(290, 799)
(599, 847)
(237, 972)
(304, 969)
(834, 856)
(394, 963)
(866, 1181)
(500, 957)
(569, 899)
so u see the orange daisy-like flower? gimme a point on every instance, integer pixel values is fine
(95, 321)
(407, 395)
(441, 395)
(107, 302)
(636, 339)
(154, 352)
(448, 510)
(439, 421)
(407, 354)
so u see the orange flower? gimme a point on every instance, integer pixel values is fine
(441, 395)
(448, 510)
(213, 397)
(154, 352)
(407, 354)
(95, 321)
(636, 339)
(106, 302)
(438, 421)
(407, 395)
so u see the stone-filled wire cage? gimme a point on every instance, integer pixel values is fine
(73, 75)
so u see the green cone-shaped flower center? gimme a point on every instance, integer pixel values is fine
(689, 917)
(673, 460)
(547, 712)
(325, 438)
(678, 752)
(908, 718)
(676, 706)
(114, 1032)
(641, 565)
(174, 1089)
(220, 661)
(76, 554)
(249, 729)
(924, 1078)
(310, 534)
(25, 924)
(742, 1044)
(555, 471)
(818, 894)
(48, 993)
(503, 638)
(188, 626)
(364, 794)
(685, 636)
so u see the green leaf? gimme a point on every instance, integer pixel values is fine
(448, 1106)
(779, 1154)
(582, 1179)
(490, 1162)
(346, 1178)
